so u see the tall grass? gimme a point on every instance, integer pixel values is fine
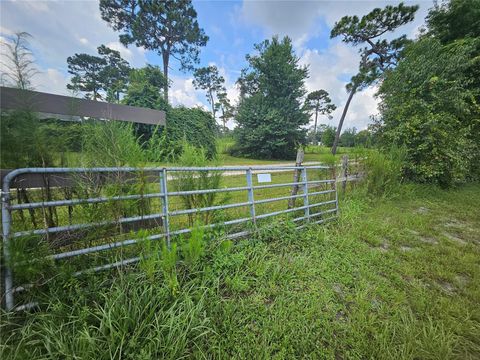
(383, 171)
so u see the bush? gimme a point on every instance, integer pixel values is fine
(27, 141)
(195, 125)
(383, 171)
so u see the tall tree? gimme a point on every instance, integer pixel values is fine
(103, 76)
(18, 64)
(270, 115)
(226, 109)
(145, 89)
(320, 103)
(115, 74)
(378, 55)
(87, 74)
(169, 27)
(208, 79)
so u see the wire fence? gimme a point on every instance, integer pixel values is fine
(66, 214)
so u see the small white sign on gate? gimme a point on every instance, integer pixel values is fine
(264, 178)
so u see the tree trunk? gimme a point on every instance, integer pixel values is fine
(213, 105)
(315, 142)
(165, 56)
(342, 119)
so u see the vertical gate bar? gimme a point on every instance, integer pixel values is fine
(305, 193)
(6, 221)
(251, 199)
(164, 190)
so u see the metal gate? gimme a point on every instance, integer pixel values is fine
(75, 212)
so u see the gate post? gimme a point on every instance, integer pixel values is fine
(164, 190)
(6, 220)
(251, 199)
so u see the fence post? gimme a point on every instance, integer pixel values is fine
(251, 199)
(6, 220)
(296, 176)
(164, 190)
(305, 193)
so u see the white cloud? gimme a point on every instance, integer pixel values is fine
(182, 92)
(52, 81)
(292, 18)
(84, 41)
(330, 68)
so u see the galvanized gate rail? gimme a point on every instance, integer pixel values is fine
(164, 174)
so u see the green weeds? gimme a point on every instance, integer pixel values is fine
(392, 279)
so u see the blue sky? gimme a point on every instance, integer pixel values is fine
(62, 28)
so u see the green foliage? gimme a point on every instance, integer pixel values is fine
(208, 79)
(99, 77)
(27, 141)
(383, 171)
(86, 70)
(348, 137)
(145, 89)
(197, 180)
(110, 144)
(270, 114)
(193, 248)
(115, 74)
(394, 280)
(454, 20)
(169, 268)
(194, 125)
(363, 138)
(328, 135)
(319, 102)
(167, 27)
(379, 55)
(429, 106)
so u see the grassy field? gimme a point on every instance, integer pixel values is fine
(312, 153)
(394, 278)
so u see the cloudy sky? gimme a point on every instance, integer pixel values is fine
(62, 28)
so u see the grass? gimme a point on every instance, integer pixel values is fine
(396, 278)
(313, 153)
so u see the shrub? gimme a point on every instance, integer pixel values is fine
(383, 171)
(195, 125)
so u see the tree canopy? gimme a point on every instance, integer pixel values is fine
(208, 79)
(99, 77)
(319, 102)
(270, 115)
(169, 27)
(429, 102)
(379, 54)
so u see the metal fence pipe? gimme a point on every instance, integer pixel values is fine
(321, 192)
(210, 208)
(108, 266)
(164, 190)
(321, 181)
(66, 228)
(323, 212)
(257, 187)
(206, 191)
(262, 216)
(6, 223)
(251, 198)
(322, 203)
(321, 221)
(83, 201)
(263, 201)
